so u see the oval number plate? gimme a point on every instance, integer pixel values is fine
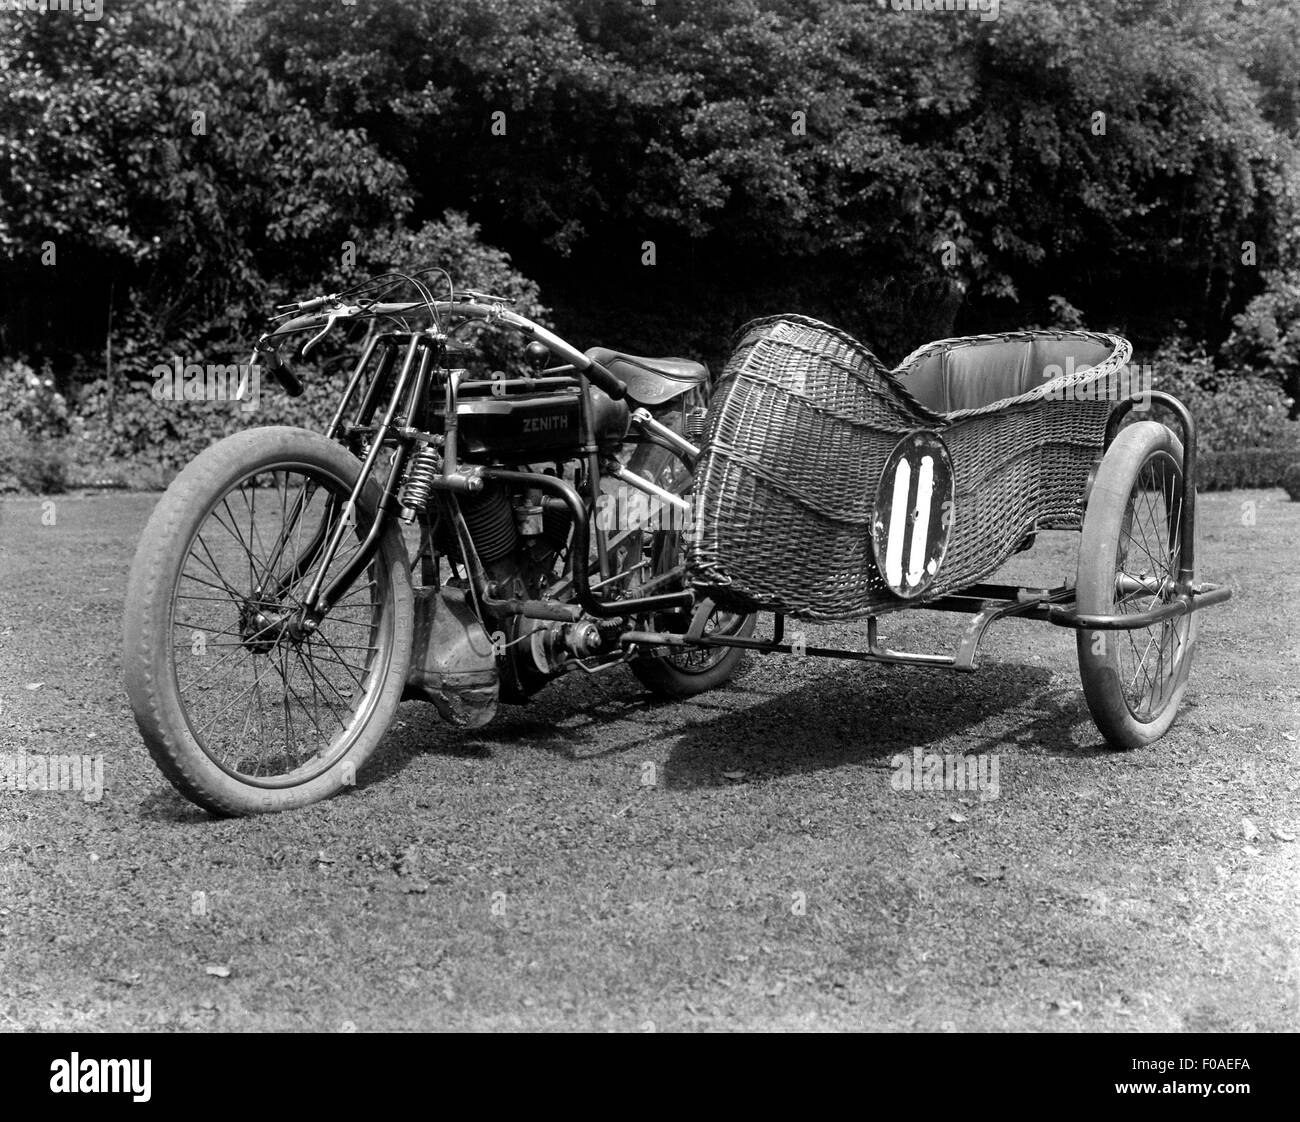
(914, 513)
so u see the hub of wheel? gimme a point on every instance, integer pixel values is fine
(261, 627)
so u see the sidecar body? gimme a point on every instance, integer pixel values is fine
(795, 512)
(829, 488)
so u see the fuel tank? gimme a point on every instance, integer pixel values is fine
(526, 428)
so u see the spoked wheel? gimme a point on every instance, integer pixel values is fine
(679, 672)
(242, 707)
(1129, 558)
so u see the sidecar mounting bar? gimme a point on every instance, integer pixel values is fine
(985, 603)
(875, 652)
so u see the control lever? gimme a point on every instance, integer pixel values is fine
(482, 297)
(334, 317)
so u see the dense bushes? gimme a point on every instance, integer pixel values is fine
(118, 431)
(34, 427)
(1244, 435)
(1291, 480)
(31, 463)
(1247, 467)
(905, 176)
(1266, 335)
(899, 174)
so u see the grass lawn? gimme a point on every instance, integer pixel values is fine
(600, 860)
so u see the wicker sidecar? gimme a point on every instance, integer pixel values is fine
(831, 488)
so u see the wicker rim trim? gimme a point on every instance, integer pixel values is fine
(1121, 350)
(844, 337)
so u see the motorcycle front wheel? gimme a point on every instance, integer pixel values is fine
(242, 710)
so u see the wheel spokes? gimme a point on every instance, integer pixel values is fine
(265, 698)
(1147, 561)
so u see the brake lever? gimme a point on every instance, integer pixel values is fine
(346, 312)
(482, 297)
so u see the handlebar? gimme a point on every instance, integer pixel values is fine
(327, 309)
(312, 305)
(293, 326)
(606, 380)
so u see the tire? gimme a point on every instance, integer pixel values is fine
(673, 673)
(677, 672)
(1129, 556)
(241, 719)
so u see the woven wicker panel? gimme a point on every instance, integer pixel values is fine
(801, 425)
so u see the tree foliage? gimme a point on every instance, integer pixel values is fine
(904, 173)
(662, 171)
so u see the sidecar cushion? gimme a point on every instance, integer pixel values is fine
(981, 372)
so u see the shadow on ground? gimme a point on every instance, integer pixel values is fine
(848, 714)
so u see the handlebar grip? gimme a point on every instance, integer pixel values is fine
(284, 374)
(608, 381)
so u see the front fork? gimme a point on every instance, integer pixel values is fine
(327, 539)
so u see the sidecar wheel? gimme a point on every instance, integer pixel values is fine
(1129, 556)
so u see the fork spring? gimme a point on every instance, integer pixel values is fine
(424, 469)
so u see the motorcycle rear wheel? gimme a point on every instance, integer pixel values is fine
(681, 672)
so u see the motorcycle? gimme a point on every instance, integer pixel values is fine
(457, 535)
(464, 535)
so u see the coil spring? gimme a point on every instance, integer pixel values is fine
(696, 423)
(420, 475)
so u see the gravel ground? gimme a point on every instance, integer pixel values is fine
(596, 860)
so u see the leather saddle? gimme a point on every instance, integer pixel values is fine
(652, 381)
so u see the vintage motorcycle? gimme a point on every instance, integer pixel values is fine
(457, 535)
(463, 535)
